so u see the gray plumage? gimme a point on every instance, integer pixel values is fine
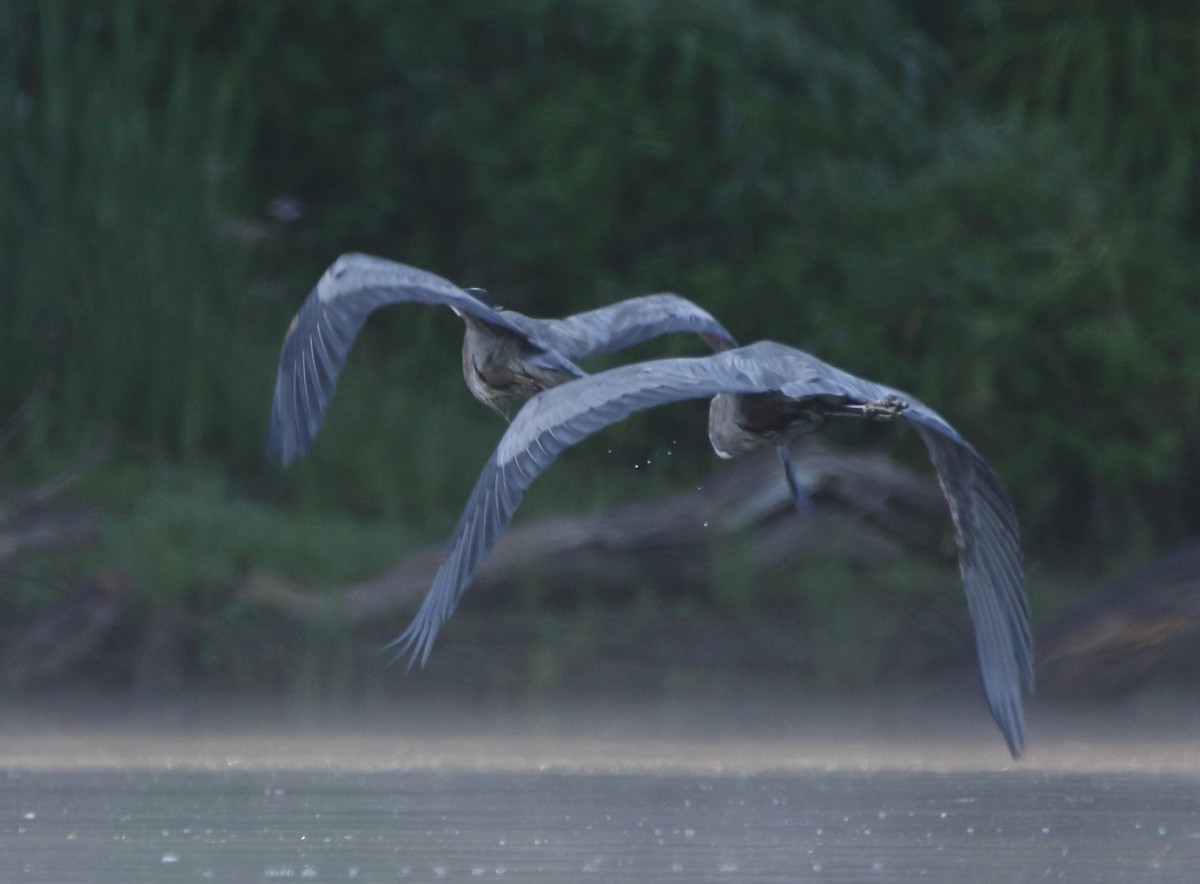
(801, 391)
(506, 356)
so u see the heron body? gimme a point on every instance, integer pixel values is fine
(742, 422)
(762, 395)
(506, 356)
(738, 423)
(501, 368)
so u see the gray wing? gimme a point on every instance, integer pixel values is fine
(560, 417)
(989, 556)
(989, 559)
(630, 322)
(320, 337)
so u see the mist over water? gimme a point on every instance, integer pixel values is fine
(849, 792)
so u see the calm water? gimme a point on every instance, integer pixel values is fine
(459, 826)
(767, 799)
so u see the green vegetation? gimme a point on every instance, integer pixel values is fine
(991, 204)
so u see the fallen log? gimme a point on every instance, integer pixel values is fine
(1143, 627)
(33, 532)
(49, 643)
(864, 507)
(27, 525)
(52, 643)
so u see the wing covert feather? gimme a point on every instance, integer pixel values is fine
(630, 322)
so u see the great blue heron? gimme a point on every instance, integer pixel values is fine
(505, 356)
(763, 394)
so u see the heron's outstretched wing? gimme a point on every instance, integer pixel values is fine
(630, 322)
(320, 337)
(560, 417)
(989, 555)
(989, 559)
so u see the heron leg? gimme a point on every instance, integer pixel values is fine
(800, 497)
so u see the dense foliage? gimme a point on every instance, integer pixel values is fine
(991, 205)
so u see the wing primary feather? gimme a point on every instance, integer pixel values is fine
(994, 589)
(320, 336)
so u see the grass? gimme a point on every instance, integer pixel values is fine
(115, 181)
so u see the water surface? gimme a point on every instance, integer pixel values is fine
(594, 796)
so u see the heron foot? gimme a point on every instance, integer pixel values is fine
(885, 409)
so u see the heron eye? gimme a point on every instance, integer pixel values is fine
(482, 296)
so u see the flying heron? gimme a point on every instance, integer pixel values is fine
(764, 394)
(505, 356)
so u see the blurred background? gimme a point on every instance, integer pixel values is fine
(992, 205)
